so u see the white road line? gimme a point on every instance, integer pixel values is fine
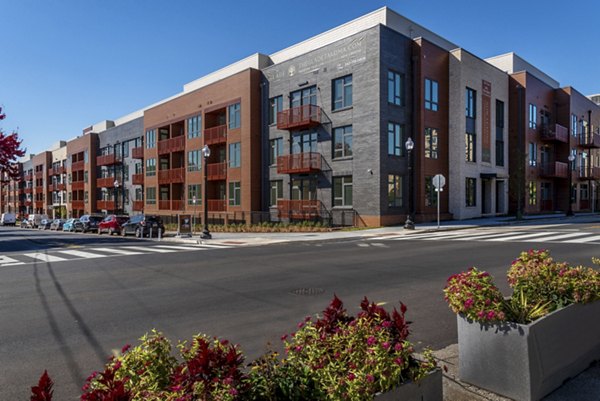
(476, 237)
(81, 254)
(557, 237)
(521, 236)
(116, 250)
(444, 236)
(214, 246)
(583, 240)
(44, 257)
(148, 249)
(6, 261)
(185, 248)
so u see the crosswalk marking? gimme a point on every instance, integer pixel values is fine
(186, 248)
(215, 246)
(117, 251)
(583, 240)
(6, 261)
(557, 237)
(520, 236)
(44, 257)
(149, 249)
(475, 237)
(81, 254)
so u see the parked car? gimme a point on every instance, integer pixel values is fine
(57, 224)
(141, 225)
(35, 219)
(72, 225)
(8, 219)
(44, 224)
(25, 224)
(112, 224)
(90, 222)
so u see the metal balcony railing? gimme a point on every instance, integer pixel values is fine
(77, 185)
(216, 171)
(554, 170)
(174, 175)
(216, 134)
(176, 144)
(106, 160)
(299, 163)
(106, 182)
(138, 205)
(300, 209)
(554, 132)
(137, 179)
(217, 205)
(137, 153)
(299, 117)
(76, 166)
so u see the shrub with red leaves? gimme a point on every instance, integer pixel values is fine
(10, 151)
(43, 391)
(105, 387)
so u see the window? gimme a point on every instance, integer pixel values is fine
(395, 190)
(125, 149)
(499, 133)
(194, 126)
(342, 141)
(303, 97)
(85, 157)
(234, 193)
(470, 144)
(342, 93)
(276, 192)
(151, 196)
(470, 192)
(125, 172)
(431, 143)
(85, 196)
(194, 191)
(275, 106)
(573, 125)
(85, 176)
(126, 196)
(342, 191)
(194, 161)
(303, 142)
(395, 88)
(546, 190)
(471, 103)
(583, 192)
(532, 193)
(234, 116)
(395, 138)
(150, 167)
(234, 154)
(430, 192)
(276, 146)
(431, 95)
(574, 162)
(532, 154)
(304, 189)
(150, 138)
(139, 194)
(532, 116)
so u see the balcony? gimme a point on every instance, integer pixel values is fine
(589, 140)
(39, 204)
(39, 174)
(217, 205)
(164, 205)
(78, 204)
(299, 163)
(39, 190)
(137, 179)
(56, 171)
(138, 206)
(216, 171)
(28, 203)
(105, 204)
(106, 160)
(77, 185)
(177, 205)
(28, 190)
(28, 177)
(174, 175)
(176, 144)
(300, 209)
(106, 182)
(587, 173)
(554, 170)
(137, 153)
(300, 117)
(216, 134)
(554, 133)
(56, 187)
(76, 166)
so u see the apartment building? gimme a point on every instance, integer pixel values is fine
(81, 172)
(57, 181)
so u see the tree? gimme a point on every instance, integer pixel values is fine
(10, 151)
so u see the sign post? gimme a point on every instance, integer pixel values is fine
(195, 202)
(438, 182)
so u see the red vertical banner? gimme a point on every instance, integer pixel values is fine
(486, 122)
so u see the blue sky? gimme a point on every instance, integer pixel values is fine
(65, 65)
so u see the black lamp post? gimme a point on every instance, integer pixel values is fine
(409, 224)
(206, 154)
(570, 171)
(116, 183)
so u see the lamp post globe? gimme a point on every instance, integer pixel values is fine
(205, 232)
(570, 176)
(409, 224)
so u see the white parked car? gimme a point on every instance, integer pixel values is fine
(8, 219)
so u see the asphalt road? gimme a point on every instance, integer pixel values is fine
(69, 316)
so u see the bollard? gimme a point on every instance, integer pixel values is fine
(159, 233)
(150, 233)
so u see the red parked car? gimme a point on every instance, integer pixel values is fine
(111, 224)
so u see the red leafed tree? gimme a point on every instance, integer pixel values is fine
(10, 151)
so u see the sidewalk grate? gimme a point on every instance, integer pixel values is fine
(307, 291)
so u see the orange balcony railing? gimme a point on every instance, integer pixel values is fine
(28, 177)
(106, 182)
(56, 187)
(217, 205)
(138, 205)
(105, 204)
(137, 179)
(137, 153)
(39, 189)
(177, 205)
(554, 132)
(39, 174)
(299, 163)
(299, 117)
(174, 175)
(164, 205)
(56, 170)
(216, 171)
(77, 185)
(216, 134)
(78, 204)
(28, 203)
(106, 160)
(176, 144)
(300, 209)
(76, 166)
(554, 170)
(589, 173)
(39, 204)
(28, 190)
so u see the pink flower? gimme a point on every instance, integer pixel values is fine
(385, 345)
(125, 348)
(283, 337)
(398, 361)
(370, 378)
(233, 391)
(398, 347)
(468, 303)
(491, 314)
(371, 340)
(300, 325)
(351, 376)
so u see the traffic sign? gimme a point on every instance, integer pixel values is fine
(439, 181)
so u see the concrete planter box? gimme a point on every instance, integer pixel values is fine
(527, 362)
(427, 389)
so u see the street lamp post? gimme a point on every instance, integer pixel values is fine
(205, 232)
(116, 183)
(570, 171)
(409, 224)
